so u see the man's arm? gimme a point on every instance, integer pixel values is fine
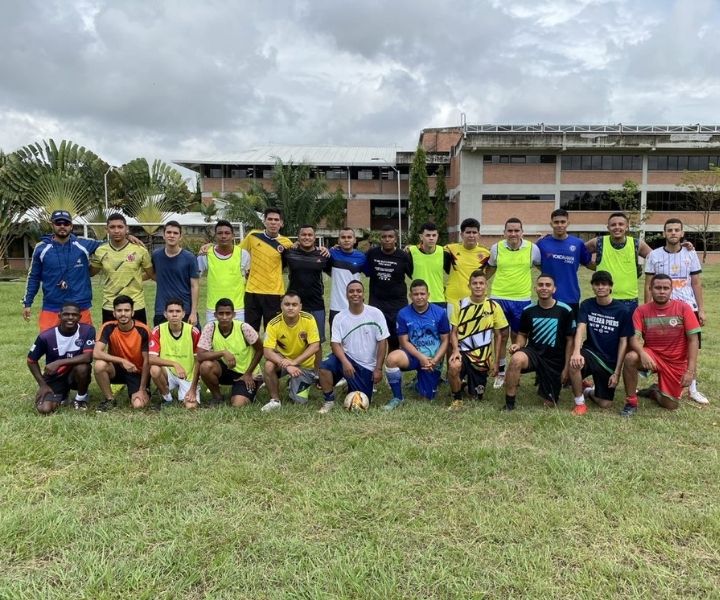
(520, 342)
(696, 284)
(43, 387)
(444, 344)
(448, 261)
(500, 337)
(621, 352)
(145, 373)
(99, 353)
(648, 280)
(693, 346)
(33, 281)
(576, 359)
(643, 249)
(406, 345)
(82, 358)
(569, 343)
(194, 296)
(380, 353)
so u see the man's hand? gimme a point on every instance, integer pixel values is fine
(577, 361)
(454, 357)
(647, 362)
(513, 348)
(191, 396)
(495, 369)
(180, 371)
(293, 371)
(701, 316)
(687, 378)
(247, 378)
(348, 369)
(43, 390)
(192, 319)
(139, 396)
(27, 311)
(229, 359)
(324, 252)
(128, 366)
(133, 240)
(377, 375)
(614, 380)
(204, 249)
(427, 364)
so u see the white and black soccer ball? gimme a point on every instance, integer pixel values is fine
(356, 402)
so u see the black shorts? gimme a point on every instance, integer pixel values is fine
(548, 374)
(261, 308)
(476, 379)
(130, 380)
(232, 378)
(140, 315)
(62, 384)
(600, 375)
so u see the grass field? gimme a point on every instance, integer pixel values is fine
(418, 503)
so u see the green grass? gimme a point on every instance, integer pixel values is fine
(419, 503)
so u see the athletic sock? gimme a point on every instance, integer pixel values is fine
(167, 397)
(509, 401)
(580, 400)
(329, 396)
(501, 366)
(693, 386)
(394, 379)
(457, 395)
(632, 400)
(81, 397)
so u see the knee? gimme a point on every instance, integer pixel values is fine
(82, 371)
(392, 359)
(155, 371)
(100, 366)
(207, 367)
(631, 359)
(239, 401)
(269, 368)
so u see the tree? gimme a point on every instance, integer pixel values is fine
(440, 206)
(301, 198)
(11, 212)
(420, 207)
(704, 189)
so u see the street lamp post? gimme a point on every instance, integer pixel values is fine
(110, 168)
(397, 172)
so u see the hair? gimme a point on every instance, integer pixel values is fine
(671, 221)
(360, 283)
(559, 212)
(348, 229)
(306, 226)
(172, 224)
(389, 228)
(513, 220)
(293, 294)
(469, 223)
(477, 273)
(550, 277)
(223, 223)
(602, 277)
(429, 226)
(123, 299)
(225, 302)
(116, 216)
(618, 214)
(177, 301)
(272, 210)
(660, 276)
(416, 283)
(72, 304)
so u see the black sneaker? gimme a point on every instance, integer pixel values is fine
(106, 405)
(508, 407)
(628, 411)
(80, 405)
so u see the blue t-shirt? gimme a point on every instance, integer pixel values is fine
(173, 275)
(423, 329)
(605, 326)
(562, 259)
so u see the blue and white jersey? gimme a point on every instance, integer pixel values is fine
(562, 259)
(344, 268)
(423, 329)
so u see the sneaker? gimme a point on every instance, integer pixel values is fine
(80, 405)
(106, 405)
(499, 381)
(587, 392)
(699, 397)
(341, 382)
(649, 392)
(327, 407)
(272, 405)
(547, 403)
(393, 404)
(507, 407)
(628, 411)
(456, 406)
(579, 410)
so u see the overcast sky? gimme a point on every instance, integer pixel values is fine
(188, 79)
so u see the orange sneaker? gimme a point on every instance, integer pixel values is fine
(579, 410)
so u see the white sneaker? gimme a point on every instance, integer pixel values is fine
(499, 381)
(327, 407)
(272, 405)
(699, 397)
(587, 392)
(341, 382)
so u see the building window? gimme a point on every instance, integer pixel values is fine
(519, 158)
(365, 174)
(681, 163)
(385, 212)
(586, 200)
(238, 173)
(215, 173)
(519, 197)
(336, 174)
(597, 162)
(670, 201)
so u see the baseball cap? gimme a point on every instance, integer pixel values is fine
(601, 277)
(60, 215)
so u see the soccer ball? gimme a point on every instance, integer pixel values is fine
(356, 401)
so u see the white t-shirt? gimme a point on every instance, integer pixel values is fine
(360, 334)
(680, 266)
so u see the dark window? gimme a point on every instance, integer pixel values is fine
(586, 200)
(586, 163)
(669, 201)
(520, 197)
(672, 163)
(598, 162)
(617, 163)
(548, 158)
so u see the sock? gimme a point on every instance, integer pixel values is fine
(693, 386)
(167, 397)
(394, 379)
(329, 396)
(580, 400)
(501, 367)
(81, 397)
(510, 401)
(457, 395)
(632, 400)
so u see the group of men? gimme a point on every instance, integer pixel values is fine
(449, 321)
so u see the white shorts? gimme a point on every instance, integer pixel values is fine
(210, 315)
(174, 382)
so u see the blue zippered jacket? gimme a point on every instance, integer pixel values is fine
(52, 263)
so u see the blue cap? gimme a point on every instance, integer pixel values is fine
(60, 215)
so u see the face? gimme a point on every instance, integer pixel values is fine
(478, 287)
(306, 238)
(273, 223)
(346, 240)
(117, 231)
(545, 288)
(419, 296)
(224, 235)
(291, 306)
(69, 318)
(513, 232)
(172, 236)
(123, 313)
(661, 291)
(355, 294)
(674, 233)
(62, 229)
(174, 313)
(388, 240)
(617, 226)
(601, 289)
(429, 238)
(559, 226)
(224, 315)
(470, 237)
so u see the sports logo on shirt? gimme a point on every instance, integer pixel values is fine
(131, 257)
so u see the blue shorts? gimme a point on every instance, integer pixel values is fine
(361, 382)
(427, 381)
(513, 309)
(319, 316)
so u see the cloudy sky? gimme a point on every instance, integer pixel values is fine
(188, 79)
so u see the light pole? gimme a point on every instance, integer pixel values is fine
(397, 172)
(110, 168)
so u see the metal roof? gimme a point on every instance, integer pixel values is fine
(331, 156)
(618, 128)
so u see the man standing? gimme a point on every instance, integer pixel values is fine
(543, 344)
(123, 264)
(346, 265)
(226, 265)
(176, 274)
(617, 254)
(561, 255)
(68, 350)
(291, 343)
(601, 340)
(430, 262)
(669, 331)
(358, 345)
(172, 350)
(121, 356)
(61, 265)
(423, 330)
(469, 256)
(386, 268)
(478, 338)
(228, 353)
(265, 285)
(683, 267)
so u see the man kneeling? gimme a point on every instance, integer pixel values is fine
(291, 341)
(227, 353)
